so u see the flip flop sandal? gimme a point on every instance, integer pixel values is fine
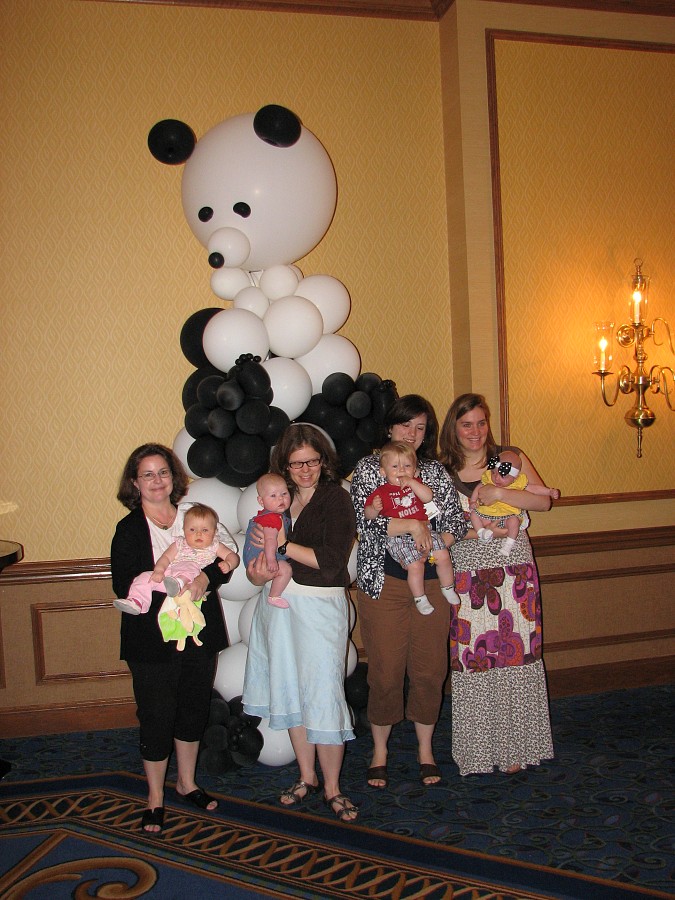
(198, 798)
(429, 770)
(153, 817)
(343, 808)
(293, 795)
(377, 773)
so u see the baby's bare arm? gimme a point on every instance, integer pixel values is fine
(422, 491)
(542, 491)
(373, 510)
(229, 560)
(163, 562)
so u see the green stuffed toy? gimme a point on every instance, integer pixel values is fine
(180, 618)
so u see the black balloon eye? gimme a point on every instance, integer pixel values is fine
(205, 213)
(242, 209)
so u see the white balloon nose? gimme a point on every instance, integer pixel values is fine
(231, 245)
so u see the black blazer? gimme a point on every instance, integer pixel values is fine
(141, 638)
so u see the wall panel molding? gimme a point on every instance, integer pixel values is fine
(46, 615)
(425, 10)
(592, 585)
(99, 715)
(603, 541)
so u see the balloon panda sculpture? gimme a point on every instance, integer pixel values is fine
(259, 192)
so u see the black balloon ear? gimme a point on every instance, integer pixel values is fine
(171, 141)
(277, 126)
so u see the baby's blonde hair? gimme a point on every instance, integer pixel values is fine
(201, 511)
(266, 480)
(398, 448)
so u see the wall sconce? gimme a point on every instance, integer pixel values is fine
(659, 379)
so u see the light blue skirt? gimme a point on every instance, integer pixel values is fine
(296, 662)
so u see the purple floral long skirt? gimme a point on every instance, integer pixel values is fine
(500, 716)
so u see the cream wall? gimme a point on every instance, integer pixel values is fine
(575, 266)
(100, 270)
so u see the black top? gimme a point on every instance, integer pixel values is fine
(141, 638)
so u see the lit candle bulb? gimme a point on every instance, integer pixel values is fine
(603, 347)
(637, 298)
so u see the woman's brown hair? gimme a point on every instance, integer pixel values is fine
(300, 435)
(128, 494)
(452, 455)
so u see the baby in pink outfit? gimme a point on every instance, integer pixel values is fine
(182, 562)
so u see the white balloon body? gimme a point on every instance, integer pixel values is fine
(291, 384)
(247, 507)
(290, 193)
(333, 353)
(238, 587)
(231, 333)
(279, 281)
(352, 658)
(246, 617)
(294, 326)
(227, 283)
(277, 748)
(253, 299)
(223, 498)
(181, 444)
(330, 297)
(231, 610)
(229, 680)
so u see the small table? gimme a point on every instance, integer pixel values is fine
(10, 552)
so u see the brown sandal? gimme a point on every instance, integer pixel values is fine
(295, 798)
(342, 807)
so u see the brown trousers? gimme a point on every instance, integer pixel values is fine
(399, 639)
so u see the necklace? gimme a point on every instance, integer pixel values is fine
(162, 525)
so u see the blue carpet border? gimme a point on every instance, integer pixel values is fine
(433, 857)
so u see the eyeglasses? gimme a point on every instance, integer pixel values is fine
(150, 476)
(310, 463)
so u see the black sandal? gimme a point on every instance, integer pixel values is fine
(343, 808)
(294, 797)
(429, 770)
(152, 817)
(377, 773)
(200, 799)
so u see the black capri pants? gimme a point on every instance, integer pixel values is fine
(173, 701)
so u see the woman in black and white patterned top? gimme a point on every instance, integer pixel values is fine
(396, 638)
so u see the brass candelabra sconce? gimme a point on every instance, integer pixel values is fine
(658, 379)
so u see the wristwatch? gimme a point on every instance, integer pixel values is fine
(282, 549)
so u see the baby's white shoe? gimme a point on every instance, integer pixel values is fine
(173, 586)
(485, 535)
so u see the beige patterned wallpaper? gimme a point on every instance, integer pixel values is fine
(586, 138)
(100, 270)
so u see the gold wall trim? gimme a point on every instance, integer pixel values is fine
(93, 715)
(602, 541)
(610, 677)
(426, 10)
(595, 574)
(56, 571)
(627, 497)
(610, 640)
(545, 545)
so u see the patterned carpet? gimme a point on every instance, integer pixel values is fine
(603, 808)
